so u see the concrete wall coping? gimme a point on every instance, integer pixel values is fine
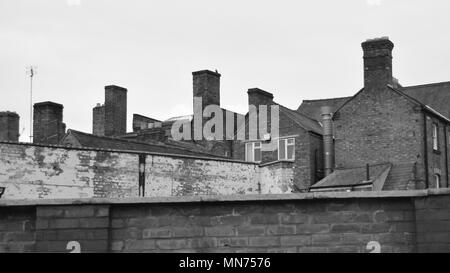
(227, 198)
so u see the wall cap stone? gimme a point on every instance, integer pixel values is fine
(226, 198)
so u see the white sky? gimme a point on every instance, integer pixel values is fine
(295, 49)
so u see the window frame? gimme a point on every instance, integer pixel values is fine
(286, 148)
(253, 149)
(437, 179)
(435, 136)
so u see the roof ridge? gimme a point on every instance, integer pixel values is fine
(425, 85)
(298, 113)
(346, 97)
(159, 144)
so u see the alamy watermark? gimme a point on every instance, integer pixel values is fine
(209, 123)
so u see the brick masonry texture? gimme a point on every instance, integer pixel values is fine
(9, 126)
(48, 126)
(402, 223)
(41, 172)
(386, 138)
(307, 167)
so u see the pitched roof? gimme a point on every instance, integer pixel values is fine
(311, 108)
(353, 177)
(304, 121)
(114, 143)
(435, 95)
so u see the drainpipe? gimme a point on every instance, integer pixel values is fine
(446, 154)
(328, 147)
(141, 175)
(425, 157)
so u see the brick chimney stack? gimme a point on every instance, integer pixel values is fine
(259, 97)
(9, 126)
(98, 120)
(206, 84)
(48, 126)
(377, 62)
(115, 110)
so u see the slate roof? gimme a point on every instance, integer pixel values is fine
(352, 177)
(114, 143)
(311, 108)
(303, 120)
(435, 95)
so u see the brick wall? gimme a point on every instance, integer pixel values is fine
(379, 125)
(48, 126)
(9, 126)
(98, 120)
(115, 110)
(48, 172)
(17, 229)
(306, 166)
(433, 224)
(437, 159)
(415, 221)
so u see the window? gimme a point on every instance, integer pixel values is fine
(286, 149)
(437, 179)
(435, 137)
(253, 152)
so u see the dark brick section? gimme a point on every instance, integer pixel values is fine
(17, 229)
(88, 225)
(48, 126)
(98, 120)
(9, 126)
(308, 162)
(398, 224)
(433, 224)
(115, 110)
(206, 84)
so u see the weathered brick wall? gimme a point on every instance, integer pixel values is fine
(33, 172)
(379, 125)
(277, 177)
(115, 110)
(98, 120)
(17, 229)
(85, 225)
(167, 176)
(305, 146)
(48, 126)
(437, 161)
(415, 221)
(275, 226)
(433, 223)
(9, 126)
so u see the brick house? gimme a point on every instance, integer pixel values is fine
(385, 137)
(389, 137)
(298, 145)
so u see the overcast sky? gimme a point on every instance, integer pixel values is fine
(295, 49)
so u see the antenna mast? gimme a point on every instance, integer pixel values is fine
(31, 71)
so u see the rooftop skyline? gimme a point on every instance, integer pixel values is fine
(297, 50)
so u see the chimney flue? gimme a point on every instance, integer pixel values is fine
(377, 62)
(328, 139)
(48, 126)
(115, 110)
